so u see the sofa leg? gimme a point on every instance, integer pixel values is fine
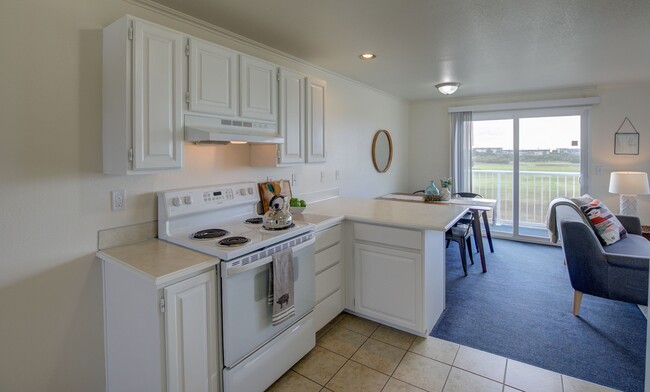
(577, 300)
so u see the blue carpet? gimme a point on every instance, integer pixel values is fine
(521, 309)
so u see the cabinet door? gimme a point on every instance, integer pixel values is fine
(388, 284)
(259, 89)
(292, 117)
(214, 77)
(190, 330)
(157, 97)
(315, 120)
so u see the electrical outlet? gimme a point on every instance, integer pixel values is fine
(118, 200)
(269, 178)
(322, 176)
(337, 174)
(294, 179)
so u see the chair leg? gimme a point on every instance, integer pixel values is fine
(463, 258)
(448, 241)
(577, 301)
(469, 250)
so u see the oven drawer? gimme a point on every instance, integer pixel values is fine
(328, 282)
(262, 368)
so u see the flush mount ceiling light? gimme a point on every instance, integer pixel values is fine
(448, 88)
(367, 56)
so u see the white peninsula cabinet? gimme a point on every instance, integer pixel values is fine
(394, 258)
(393, 279)
(161, 330)
(142, 130)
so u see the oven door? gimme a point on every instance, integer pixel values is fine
(246, 315)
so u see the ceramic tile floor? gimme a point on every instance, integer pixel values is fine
(358, 355)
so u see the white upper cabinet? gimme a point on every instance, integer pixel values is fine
(259, 89)
(302, 123)
(213, 78)
(142, 97)
(316, 120)
(292, 117)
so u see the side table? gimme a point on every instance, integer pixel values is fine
(645, 231)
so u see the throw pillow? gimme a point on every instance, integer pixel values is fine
(582, 200)
(607, 227)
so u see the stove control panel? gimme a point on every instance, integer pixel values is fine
(218, 196)
(181, 202)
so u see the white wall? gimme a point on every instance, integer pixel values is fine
(429, 135)
(54, 199)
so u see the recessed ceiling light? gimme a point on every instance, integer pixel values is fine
(367, 56)
(448, 87)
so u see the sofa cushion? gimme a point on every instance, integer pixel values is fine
(633, 245)
(607, 227)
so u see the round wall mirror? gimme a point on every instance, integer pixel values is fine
(382, 150)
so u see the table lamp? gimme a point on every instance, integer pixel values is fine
(629, 185)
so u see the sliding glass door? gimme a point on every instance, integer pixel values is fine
(524, 160)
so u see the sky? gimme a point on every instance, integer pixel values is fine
(535, 133)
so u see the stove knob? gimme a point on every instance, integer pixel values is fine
(250, 190)
(242, 191)
(188, 199)
(177, 201)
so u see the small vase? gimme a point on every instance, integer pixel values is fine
(432, 189)
(445, 194)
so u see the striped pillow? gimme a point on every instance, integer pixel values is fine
(607, 227)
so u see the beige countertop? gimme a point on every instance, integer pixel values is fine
(163, 262)
(419, 216)
(320, 221)
(159, 260)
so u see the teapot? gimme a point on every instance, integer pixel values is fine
(278, 216)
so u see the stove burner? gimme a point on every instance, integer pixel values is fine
(234, 241)
(209, 234)
(280, 228)
(254, 221)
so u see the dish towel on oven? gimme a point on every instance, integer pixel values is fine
(281, 286)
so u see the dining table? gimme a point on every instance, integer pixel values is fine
(478, 206)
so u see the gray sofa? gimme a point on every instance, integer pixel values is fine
(618, 271)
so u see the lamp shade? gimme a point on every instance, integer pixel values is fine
(629, 183)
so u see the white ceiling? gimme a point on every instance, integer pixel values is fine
(490, 46)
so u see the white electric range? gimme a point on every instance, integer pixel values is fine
(222, 221)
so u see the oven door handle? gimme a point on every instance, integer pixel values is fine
(243, 268)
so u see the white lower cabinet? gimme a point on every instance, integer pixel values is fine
(388, 284)
(160, 338)
(190, 335)
(329, 276)
(397, 276)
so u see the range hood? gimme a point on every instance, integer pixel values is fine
(201, 129)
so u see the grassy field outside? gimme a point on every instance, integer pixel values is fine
(537, 190)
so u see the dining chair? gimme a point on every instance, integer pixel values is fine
(460, 234)
(465, 219)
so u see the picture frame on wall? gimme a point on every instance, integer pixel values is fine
(626, 143)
